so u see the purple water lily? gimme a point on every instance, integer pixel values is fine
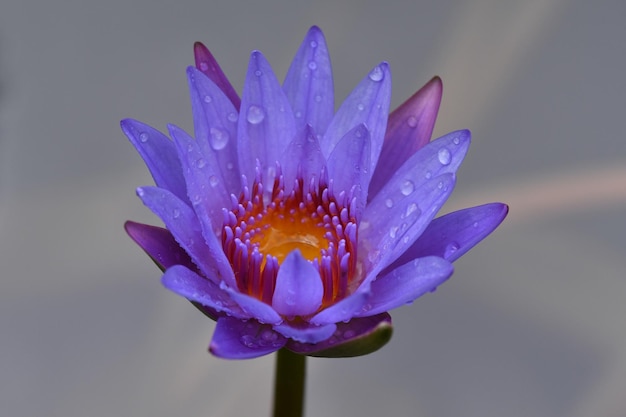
(295, 226)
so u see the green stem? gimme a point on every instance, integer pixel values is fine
(289, 384)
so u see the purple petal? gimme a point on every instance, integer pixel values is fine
(235, 339)
(193, 287)
(343, 310)
(215, 126)
(299, 288)
(209, 66)
(359, 336)
(253, 307)
(349, 162)
(182, 222)
(159, 244)
(392, 222)
(304, 156)
(368, 104)
(266, 123)
(309, 83)
(409, 128)
(452, 235)
(406, 283)
(159, 154)
(205, 186)
(310, 334)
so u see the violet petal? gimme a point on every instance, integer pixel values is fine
(368, 104)
(343, 310)
(299, 288)
(266, 124)
(253, 307)
(310, 334)
(215, 126)
(406, 283)
(304, 156)
(409, 128)
(206, 63)
(235, 339)
(159, 244)
(360, 336)
(159, 154)
(309, 83)
(452, 235)
(193, 287)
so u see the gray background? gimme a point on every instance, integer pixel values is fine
(532, 323)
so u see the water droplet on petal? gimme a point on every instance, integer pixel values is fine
(232, 116)
(475, 224)
(219, 138)
(411, 208)
(389, 203)
(360, 106)
(207, 99)
(444, 156)
(312, 65)
(230, 165)
(318, 98)
(456, 140)
(201, 163)
(175, 213)
(143, 137)
(313, 44)
(204, 66)
(258, 73)
(249, 341)
(411, 121)
(393, 231)
(428, 175)
(440, 185)
(407, 187)
(450, 249)
(349, 334)
(213, 180)
(255, 114)
(376, 74)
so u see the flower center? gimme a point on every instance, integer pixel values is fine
(257, 236)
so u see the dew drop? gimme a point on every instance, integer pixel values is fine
(213, 181)
(389, 203)
(255, 114)
(176, 213)
(207, 99)
(393, 231)
(258, 73)
(444, 156)
(318, 98)
(248, 341)
(475, 224)
(230, 165)
(232, 116)
(312, 65)
(219, 138)
(407, 187)
(313, 44)
(204, 66)
(440, 185)
(349, 334)
(428, 175)
(376, 74)
(456, 140)
(451, 248)
(360, 106)
(143, 137)
(411, 121)
(200, 163)
(411, 208)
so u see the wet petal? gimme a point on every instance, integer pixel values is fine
(193, 287)
(215, 126)
(182, 222)
(206, 63)
(159, 244)
(299, 288)
(309, 334)
(266, 123)
(360, 336)
(309, 83)
(253, 307)
(343, 310)
(406, 283)
(349, 162)
(159, 154)
(368, 104)
(452, 235)
(391, 224)
(235, 339)
(409, 128)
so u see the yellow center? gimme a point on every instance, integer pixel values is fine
(283, 230)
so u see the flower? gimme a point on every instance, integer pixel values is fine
(297, 227)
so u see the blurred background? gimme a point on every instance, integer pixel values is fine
(532, 322)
